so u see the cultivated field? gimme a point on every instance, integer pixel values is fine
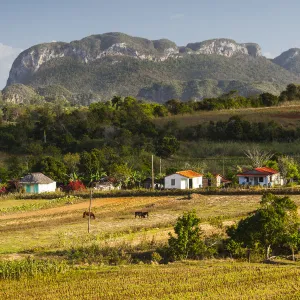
(189, 280)
(288, 116)
(49, 233)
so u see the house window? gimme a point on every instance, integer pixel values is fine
(261, 179)
(172, 181)
(247, 179)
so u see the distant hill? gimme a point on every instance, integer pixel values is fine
(118, 64)
(290, 60)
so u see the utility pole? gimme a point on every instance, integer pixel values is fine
(152, 174)
(223, 167)
(45, 137)
(90, 206)
(160, 167)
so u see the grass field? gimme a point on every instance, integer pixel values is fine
(63, 226)
(186, 280)
(45, 233)
(60, 227)
(288, 116)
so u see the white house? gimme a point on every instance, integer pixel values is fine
(184, 180)
(36, 183)
(263, 176)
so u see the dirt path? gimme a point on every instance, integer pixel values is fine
(107, 203)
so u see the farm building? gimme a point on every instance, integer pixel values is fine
(263, 176)
(147, 183)
(217, 180)
(106, 184)
(187, 179)
(36, 183)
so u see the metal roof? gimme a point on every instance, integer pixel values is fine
(36, 178)
(263, 171)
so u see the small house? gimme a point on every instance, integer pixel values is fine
(106, 184)
(187, 179)
(217, 180)
(36, 183)
(263, 176)
(147, 183)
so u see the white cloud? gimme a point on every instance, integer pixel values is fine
(176, 16)
(7, 57)
(269, 55)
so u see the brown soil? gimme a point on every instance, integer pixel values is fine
(109, 203)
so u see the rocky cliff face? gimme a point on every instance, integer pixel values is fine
(117, 44)
(225, 47)
(289, 60)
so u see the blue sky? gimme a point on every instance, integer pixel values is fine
(274, 25)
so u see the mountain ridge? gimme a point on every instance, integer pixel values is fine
(115, 63)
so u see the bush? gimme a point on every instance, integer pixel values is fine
(75, 185)
(188, 243)
(97, 254)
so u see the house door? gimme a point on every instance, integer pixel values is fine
(255, 180)
(190, 183)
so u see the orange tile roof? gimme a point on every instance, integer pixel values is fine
(189, 174)
(263, 171)
(266, 169)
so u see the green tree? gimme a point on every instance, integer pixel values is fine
(268, 99)
(71, 161)
(187, 243)
(52, 167)
(273, 224)
(167, 146)
(288, 168)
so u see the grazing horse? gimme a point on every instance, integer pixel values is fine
(86, 213)
(141, 214)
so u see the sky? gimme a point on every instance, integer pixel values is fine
(273, 24)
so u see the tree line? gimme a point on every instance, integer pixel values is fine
(116, 137)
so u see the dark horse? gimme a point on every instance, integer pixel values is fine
(141, 214)
(86, 213)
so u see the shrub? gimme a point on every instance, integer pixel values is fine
(30, 268)
(3, 190)
(156, 257)
(188, 243)
(75, 185)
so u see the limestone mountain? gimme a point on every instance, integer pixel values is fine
(118, 64)
(289, 60)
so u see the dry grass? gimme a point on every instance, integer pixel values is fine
(61, 227)
(187, 280)
(285, 115)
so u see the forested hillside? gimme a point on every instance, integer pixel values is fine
(119, 136)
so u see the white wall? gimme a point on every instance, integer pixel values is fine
(51, 187)
(178, 184)
(218, 181)
(182, 182)
(197, 182)
(267, 179)
(276, 179)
